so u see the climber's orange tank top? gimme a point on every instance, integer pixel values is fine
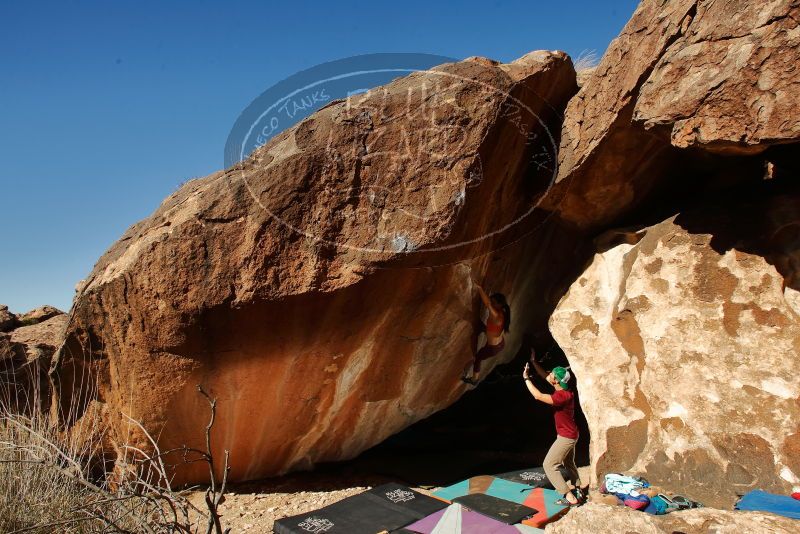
(493, 329)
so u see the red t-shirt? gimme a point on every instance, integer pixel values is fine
(564, 413)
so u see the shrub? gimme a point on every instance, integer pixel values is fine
(587, 59)
(51, 480)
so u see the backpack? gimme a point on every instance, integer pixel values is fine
(661, 504)
(636, 500)
(684, 503)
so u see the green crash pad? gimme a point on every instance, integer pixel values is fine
(489, 485)
(540, 499)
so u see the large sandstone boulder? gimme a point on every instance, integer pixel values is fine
(718, 77)
(684, 339)
(25, 358)
(728, 83)
(605, 519)
(321, 290)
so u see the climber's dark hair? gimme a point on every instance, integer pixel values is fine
(500, 299)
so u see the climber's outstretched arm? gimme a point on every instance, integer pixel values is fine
(538, 395)
(496, 314)
(537, 367)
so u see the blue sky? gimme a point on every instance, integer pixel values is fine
(106, 107)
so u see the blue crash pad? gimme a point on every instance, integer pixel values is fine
(761, 501)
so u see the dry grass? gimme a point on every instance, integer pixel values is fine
(53, 481)
(587, 59)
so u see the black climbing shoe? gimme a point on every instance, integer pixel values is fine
(564, 502)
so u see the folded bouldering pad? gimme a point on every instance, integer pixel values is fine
(500, 509)
(488, 485)
(761, 501)
(544, 502)
(457, 519)
(534, 477)
(386, 507)
(540, 499)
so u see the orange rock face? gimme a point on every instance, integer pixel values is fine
(686, 74)
(729, 82)
(321, 290)
(25, 357)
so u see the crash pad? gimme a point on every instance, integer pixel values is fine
(533, 476)
(488, 485)
(542, 500)
(762, 501)
(456, 519)
(386, 507)
(500, 509)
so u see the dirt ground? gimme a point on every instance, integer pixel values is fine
(492, 429)
(254, 507)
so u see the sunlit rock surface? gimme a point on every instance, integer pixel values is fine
(321, 291)
(684, 337)
(605, 519)
(716, 77)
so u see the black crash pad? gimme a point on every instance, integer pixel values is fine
(533, 477)
(387, 507)
(502, 510)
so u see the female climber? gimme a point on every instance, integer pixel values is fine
(496, 325)
(562, 452)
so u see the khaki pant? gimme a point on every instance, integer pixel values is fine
(562, 452)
